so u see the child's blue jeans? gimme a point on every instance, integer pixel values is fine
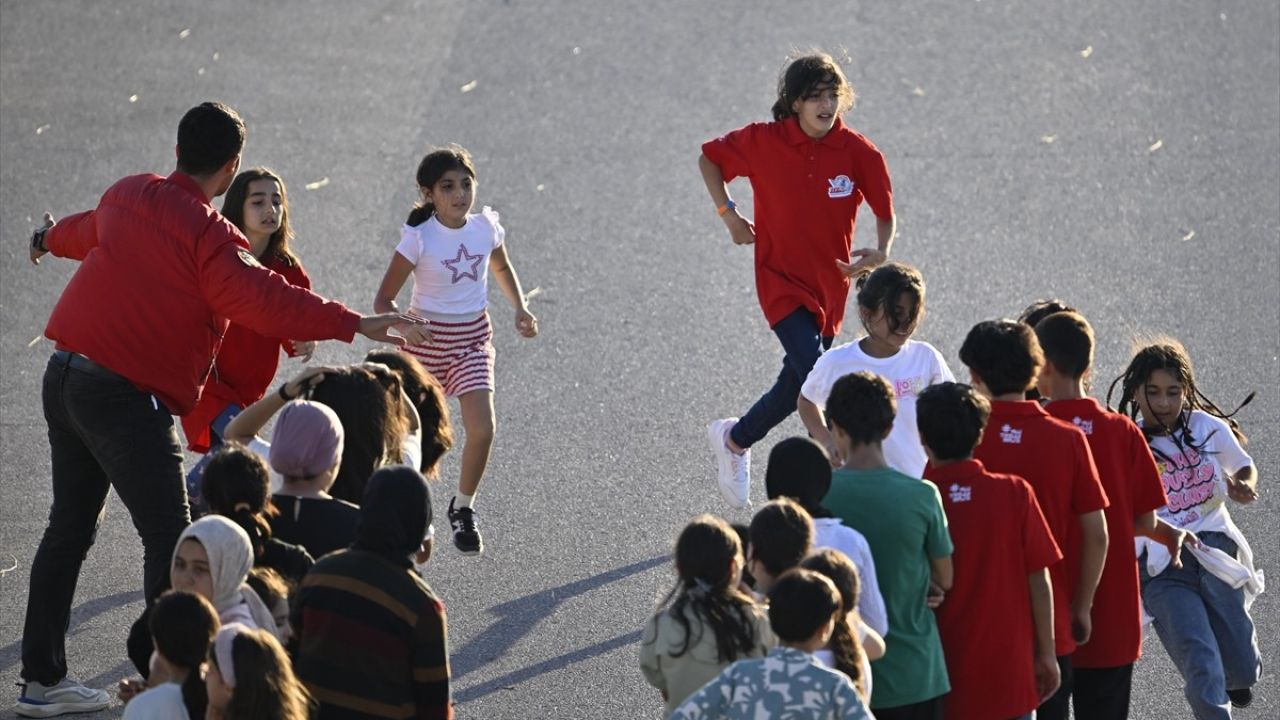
(803, 342)
(1205, 629)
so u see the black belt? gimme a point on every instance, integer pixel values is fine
(84, 364)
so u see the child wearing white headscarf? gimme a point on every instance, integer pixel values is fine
(230, 557)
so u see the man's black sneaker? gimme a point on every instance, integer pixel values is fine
(466, 536)
(1241, 698)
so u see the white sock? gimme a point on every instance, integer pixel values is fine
(463, 501)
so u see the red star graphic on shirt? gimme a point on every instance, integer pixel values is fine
(463, 258)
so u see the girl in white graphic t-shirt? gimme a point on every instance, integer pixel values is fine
(890, 305)
(449, 251)
(1202, 621)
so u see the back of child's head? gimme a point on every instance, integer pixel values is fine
(706, 597)
(373, 425)
(845, 645)
(799, 468)
(951, 417)
(1067, 341)
(182, 626)
(1167, 354)
(307, 440)
(781, 535)
(807, 75)
(801, 602)
(233, 210)
(1041, 309)
(273, 590)
(253, 663)
(862, 404)
(428, 399)
(1004, 354)
(434, 165)
(895, 289)
(237, 485)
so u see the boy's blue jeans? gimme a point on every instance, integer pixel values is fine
(803, 342)
(1205, 629)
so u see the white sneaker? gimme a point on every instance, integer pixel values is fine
(68, 696)
(733, 470)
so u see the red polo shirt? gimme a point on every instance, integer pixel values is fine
(807, 194)
(1132, 482)
(1022, 439)
(162, 272)
(1000, 538)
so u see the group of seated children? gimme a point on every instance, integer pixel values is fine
(985, 550)
(338, 584)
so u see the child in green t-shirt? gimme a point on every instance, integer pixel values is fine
(903, 521)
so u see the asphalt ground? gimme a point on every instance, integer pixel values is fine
(1122, 156)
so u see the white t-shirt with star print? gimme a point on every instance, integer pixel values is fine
(451, 266)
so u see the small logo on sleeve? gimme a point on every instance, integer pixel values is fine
(839, 186)
(1010, 435)
(960, 493)
(1084, 425)
(247, 258)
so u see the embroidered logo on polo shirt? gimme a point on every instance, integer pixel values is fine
(839, 186)
(1085, 425)
(1010, 435)
(960, 493)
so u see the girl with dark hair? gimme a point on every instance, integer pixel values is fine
(258, 204)
(250, 678)
(427, 398)
(809, 173)
(890, 305)
(1202, 618)
(706, 621)
(182, 626)
(449, 251)
(846, 650)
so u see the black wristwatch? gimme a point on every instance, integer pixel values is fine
(37, 239)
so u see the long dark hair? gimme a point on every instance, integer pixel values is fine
(805, 75)
(265, 686)
(844, 642)
(183, 626)
(237, 486)
(1168, 354)
(708, 591)
(433, 167)
(369, 409)
(233, 210)
(427, 396)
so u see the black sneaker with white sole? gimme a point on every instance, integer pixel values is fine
(466, 536)
(1241, 698)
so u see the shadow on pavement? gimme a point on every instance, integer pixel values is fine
(11, 654)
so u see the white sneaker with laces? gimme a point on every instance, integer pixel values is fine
(68, 696)
(733, 470)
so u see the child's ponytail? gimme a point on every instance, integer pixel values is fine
(844, 644)
(436, 163)
(237, 486)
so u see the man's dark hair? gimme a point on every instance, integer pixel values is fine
(781, 535)
(862, 404)
(951, 417)
(1004, 354)
(209, 136)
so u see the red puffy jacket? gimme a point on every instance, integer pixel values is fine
(162, 272)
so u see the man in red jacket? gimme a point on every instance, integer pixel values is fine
(136, 331)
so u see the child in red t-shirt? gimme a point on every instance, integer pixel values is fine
(997, 619)
(809, 174)
(1103, 667)
(1021, 439)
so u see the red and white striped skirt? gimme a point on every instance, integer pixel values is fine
(460, 355)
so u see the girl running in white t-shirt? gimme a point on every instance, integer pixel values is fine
(890, 305)
(449, 251)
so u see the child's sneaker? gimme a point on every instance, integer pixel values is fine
(68, 696)
(733, 470)
(1241, 698)
(466, 536)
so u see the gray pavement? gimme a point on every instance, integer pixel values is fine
(1123, 156)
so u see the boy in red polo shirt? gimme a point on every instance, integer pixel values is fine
(997, 620)
(1103, 667)
(1021, 439)
(809, 173)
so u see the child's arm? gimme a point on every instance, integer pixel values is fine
(505, 273)
(742, 230)
(867, 259)
(872, 642)
(1242, 486)
(1149, 526)
(815, 422)
(392, 280)
(941, 572)
(1093, 555)
(1046, 662)
(244, 427)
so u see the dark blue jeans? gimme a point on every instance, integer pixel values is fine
(103, 433)
(195, 476)
(803, 343)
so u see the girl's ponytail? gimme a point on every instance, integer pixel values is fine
(237, 486)
(844, 644)
(420, 213)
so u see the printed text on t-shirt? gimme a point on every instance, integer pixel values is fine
(1188, 480)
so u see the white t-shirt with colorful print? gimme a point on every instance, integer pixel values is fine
(451, 265)
(1195, 478)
